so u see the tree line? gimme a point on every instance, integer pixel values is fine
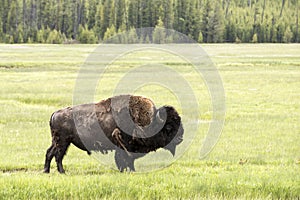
(91, 21)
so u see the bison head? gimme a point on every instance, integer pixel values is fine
(172, 131)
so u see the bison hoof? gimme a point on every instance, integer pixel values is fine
(47, 171)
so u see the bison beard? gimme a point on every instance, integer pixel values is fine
(130, 125)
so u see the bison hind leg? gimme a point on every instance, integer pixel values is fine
(61, 151)
(49, 155)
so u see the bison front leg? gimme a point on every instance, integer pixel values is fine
(123, 158)
(119, 159)
(130, 164)
(124, 161)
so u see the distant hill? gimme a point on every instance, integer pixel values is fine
(91, 21)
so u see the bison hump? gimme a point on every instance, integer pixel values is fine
(141, 109)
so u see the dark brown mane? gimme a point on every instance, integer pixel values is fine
(169, 132)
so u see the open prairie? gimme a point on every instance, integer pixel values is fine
(257, 156)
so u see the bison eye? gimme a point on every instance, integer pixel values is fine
(169, 128)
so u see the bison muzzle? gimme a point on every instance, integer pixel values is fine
(130, 125)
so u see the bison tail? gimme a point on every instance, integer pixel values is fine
(51, 119)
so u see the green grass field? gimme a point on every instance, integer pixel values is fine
(262, 128)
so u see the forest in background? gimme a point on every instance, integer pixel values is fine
(92, 21)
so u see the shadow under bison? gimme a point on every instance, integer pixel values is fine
(130, 125)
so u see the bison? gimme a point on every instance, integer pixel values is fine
(130, 125)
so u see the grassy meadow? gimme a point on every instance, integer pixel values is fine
(257, 156)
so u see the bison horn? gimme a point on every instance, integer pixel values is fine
(159, 118)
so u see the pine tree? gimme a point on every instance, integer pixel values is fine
(254, 38)
(168, 14)
(24, 20)
(182, 13)
(33, 20)
(20, 34)
(105, 17)
(147, 40)
(110, 33)
(133, 13)
(151, 15)
(58, 15)
(280, 32)
(273, 34)
(288, 35)
(206, 22)
(1, 25)
(5, 4)
(159, 34)
(212, 25)
(112, 16)
(29, 41)
(132, 37)
(91, 14)
(1, 33)
(120, 13)
(263, 11)
(237, 40)
(192, 28)
(10, 39)
(12, 21)
(230, 32)
(86, 36)
(72, 19)
(256, 22)
(52, 37)
(122, 34)
(98, 21)
(297, 23)
(144, 14)
(83, 12)
(40, 38)
(217, 24)
(200, 37)
(282, 7)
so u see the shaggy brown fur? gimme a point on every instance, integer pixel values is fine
(141, 110)
(127, 124)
